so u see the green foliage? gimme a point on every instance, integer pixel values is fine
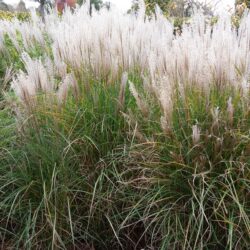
(60, 157)
(174, 8)
(22, 16)
(11, 60)
(246, 2)
(81, 174)
(96, 3)
(164, 5)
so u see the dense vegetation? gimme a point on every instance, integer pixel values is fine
(117, 134)
(7, 15)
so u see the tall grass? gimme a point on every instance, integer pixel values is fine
(118, 134)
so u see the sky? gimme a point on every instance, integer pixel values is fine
(124, 5)
(222, 4)
(28, 3)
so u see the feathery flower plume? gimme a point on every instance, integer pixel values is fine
(121, 98)
(139, 100)
(63, 90)
(196, 134)
(230, 110)
(107, 43)
(215, 114)
(164, 92)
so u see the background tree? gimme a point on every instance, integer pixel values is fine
(42, 6)
(174, 8)
(241, 6)
(245, 2)
(150, 6)
(96, 3)
(46, 3)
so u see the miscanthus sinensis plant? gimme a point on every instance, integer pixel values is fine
(116, 133)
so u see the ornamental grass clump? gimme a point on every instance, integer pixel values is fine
(193, 181)
(117, 134)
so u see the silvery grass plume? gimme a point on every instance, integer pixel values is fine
(23, 35)
(2, 47)
(69, 82)
(108, 43)
(121, 98)
(142, 105)
(40, 78)
(36, 79)
(196, 134)
(7, 77)
(230, 110)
